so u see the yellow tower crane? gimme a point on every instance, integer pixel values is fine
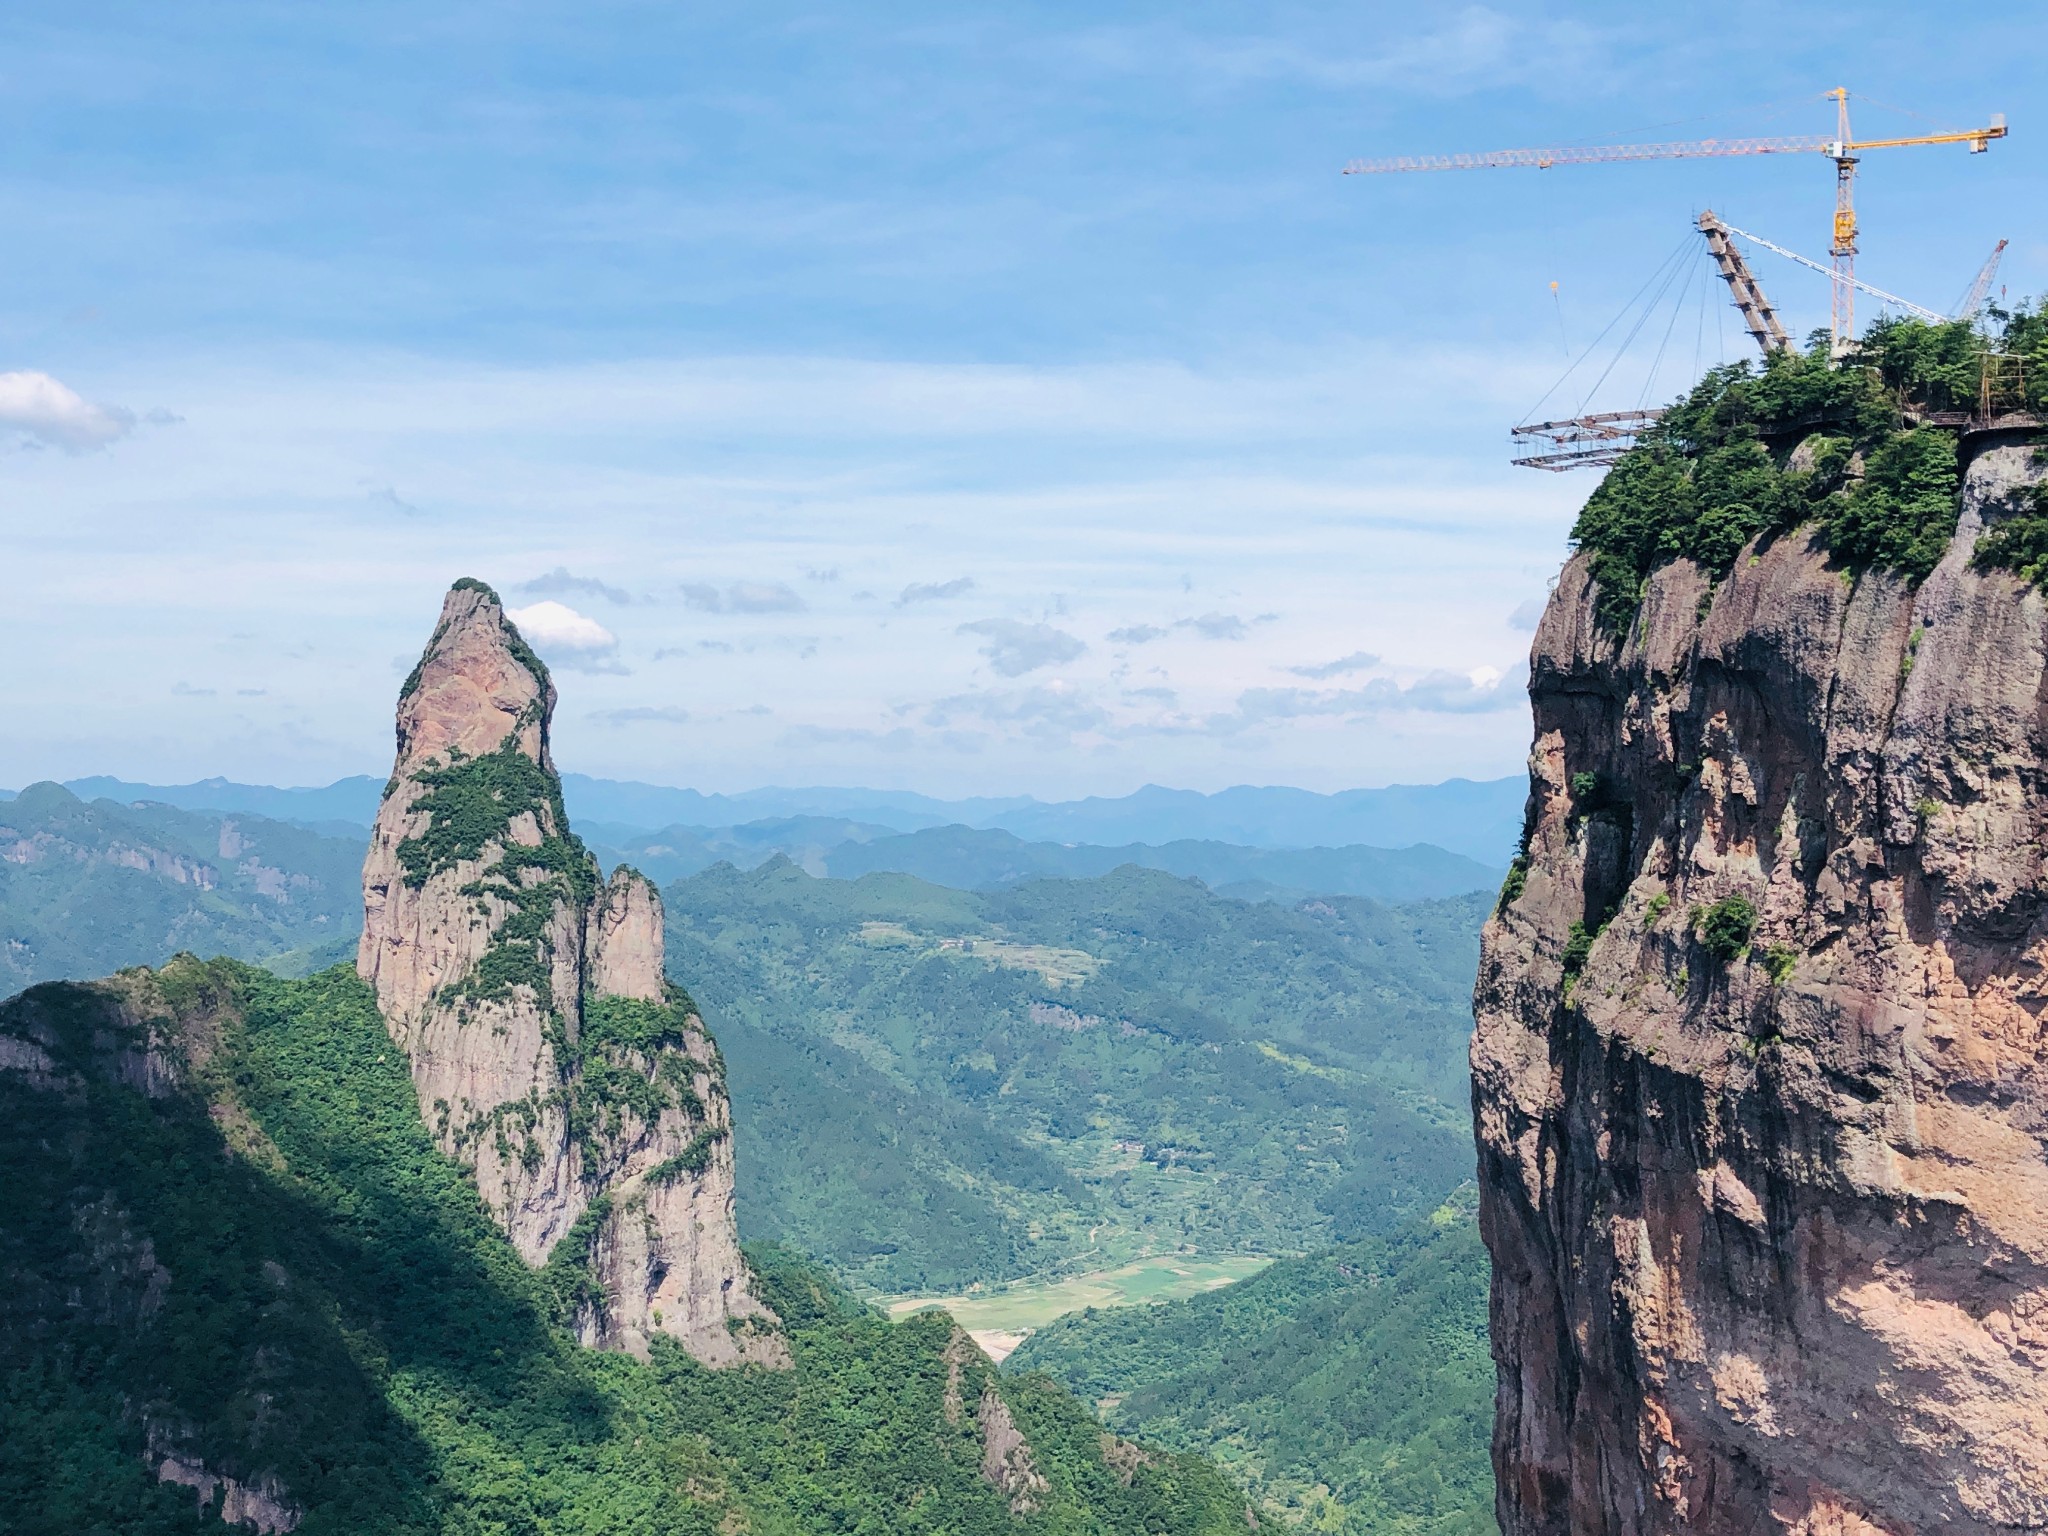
(1842, 148)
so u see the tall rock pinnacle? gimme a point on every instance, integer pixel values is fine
(1760, 1074)
(549, 1052)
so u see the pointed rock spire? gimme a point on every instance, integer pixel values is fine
(505, 966)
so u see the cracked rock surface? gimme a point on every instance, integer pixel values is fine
(1770, 1227)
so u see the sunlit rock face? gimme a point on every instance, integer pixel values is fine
(1768, 1205)
(549, 1052)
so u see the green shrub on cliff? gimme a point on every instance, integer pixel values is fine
(1726, 463)
(2020, 542)
(1724, 929)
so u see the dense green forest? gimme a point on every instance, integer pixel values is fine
(1350, 1391)
(1866, 452)
(232, 1244)
(933, 1087)
(87, 887)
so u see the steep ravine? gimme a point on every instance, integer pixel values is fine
(1770, 1231)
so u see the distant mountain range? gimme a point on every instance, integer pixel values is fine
(86, 888)
(1480, 820)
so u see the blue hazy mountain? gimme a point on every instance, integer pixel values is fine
(978, 859)
(1478, 819)
(351, 800)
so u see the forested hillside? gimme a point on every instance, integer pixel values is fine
(235, 1263)
(989, 859)
(1350, 1390)
(933, 1087)
(88, 887)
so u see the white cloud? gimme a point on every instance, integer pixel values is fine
(1527, 615)
(46, 411)
(558, 629)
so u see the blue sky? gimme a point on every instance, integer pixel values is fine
(966, 400)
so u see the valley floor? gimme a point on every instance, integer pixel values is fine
(1002, 1317)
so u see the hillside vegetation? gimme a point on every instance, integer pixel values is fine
(1350, 1390)
(233, 1248)
(88, 887)
(990, 859)
(1853, 449)
(934, 1087)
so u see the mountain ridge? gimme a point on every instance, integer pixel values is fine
(1478, 819)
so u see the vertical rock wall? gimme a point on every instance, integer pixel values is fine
(549, 1052)
(1770, 1225)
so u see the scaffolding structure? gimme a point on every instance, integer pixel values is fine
(1580, 442)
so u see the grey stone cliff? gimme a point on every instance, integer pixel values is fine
(549, 1052)
(1770, 1231)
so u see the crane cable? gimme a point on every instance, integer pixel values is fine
(1672, 266)
(1692, 270)
(1663, 271)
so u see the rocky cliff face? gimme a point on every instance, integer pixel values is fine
(549, 1052)
(1768, 1204)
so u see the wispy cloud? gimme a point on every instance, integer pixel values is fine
(1482, 690)
(1015, 647)
(934, 591)
(1527, 615)
(1357, 661)
(1215, 626)
(1137, 634)
(386, 495)
(742, 597)
(1473, 48)
(642, 715)
(559, 581)
(1048, 713)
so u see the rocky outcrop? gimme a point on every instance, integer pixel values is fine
(1759, 1068)
(260, 1505)
(549, 1052)
(1007, 1464)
